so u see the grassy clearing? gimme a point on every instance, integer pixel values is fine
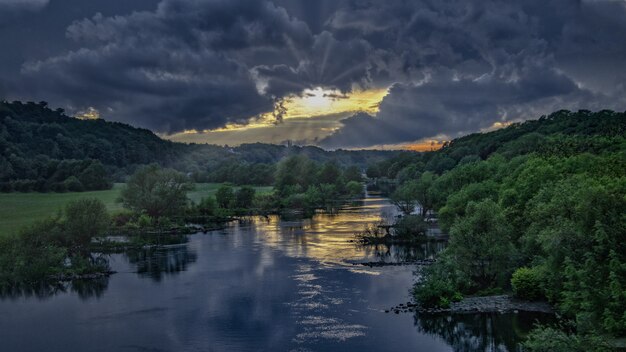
(20, 209)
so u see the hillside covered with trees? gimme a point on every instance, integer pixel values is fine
(44, 150)
(537, 208)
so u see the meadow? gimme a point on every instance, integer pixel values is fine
(21, 209)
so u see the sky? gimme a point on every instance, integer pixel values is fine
(333, 73)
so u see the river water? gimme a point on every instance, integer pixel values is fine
(262, 285)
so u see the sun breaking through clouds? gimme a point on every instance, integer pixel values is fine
(318, 109)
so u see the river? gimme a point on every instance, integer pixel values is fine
(261, 285)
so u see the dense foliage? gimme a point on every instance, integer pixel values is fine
(55, 246)
(156, 192)
(548, 196)
(302, 183)
(45, 150)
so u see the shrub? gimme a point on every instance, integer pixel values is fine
(72, 184)
(144, 221)
(438, 288)
(547, 339)
(33, 254)
(296, 201)
(206, 207)
(526, 283)
(121, 218)
(435, 291)
(411, 226)
(265, 203)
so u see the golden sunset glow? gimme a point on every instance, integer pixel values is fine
(424, 146)
(320, 101)
(314, 102)
(89, 114)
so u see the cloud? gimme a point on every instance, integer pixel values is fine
(454, 66)
(10, 10)
(454, 107)
(176, 68)
(463, 65)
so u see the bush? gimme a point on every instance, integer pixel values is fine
(144, 221)
(206, 207)
(265, 203)
(32, 255)
(438, 287)
(435, 292)
(121, 218)
(72, 184)
(296, 201)
(547, 339)
(411, 226)
(526, 283)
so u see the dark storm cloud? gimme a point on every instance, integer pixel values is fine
(455, 66)
(464, 65)
(327, 63)
(171, 69)
(449, 107)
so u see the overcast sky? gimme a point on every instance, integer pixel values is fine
(353, 73)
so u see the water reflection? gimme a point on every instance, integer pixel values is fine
(404, 253)
(328, 237)
(156, 262)
(85, 289)
(491, 332)
(267, 284)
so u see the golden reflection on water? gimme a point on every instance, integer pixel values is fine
(326, 237)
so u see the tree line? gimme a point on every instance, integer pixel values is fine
(41, 149)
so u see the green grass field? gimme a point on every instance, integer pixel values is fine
(20, 209)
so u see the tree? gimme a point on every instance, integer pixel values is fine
(352, 173)
(84, 219)
(405, 197)
(373, 171)
(206, 207)
(294, 172)
(354, 188)
(329, 173)
(425, 192)
(480, 243)
(225, 196)
(244, 197)
(72, 184)
(155, 191)
(95, 177)
(416, 192)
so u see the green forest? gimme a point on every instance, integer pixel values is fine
(537, 208)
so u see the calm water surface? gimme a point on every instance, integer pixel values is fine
(264, 285)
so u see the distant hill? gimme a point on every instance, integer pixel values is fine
(561, 133)
(41, 149)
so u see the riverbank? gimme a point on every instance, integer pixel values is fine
(485, 304)
(18, 210)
